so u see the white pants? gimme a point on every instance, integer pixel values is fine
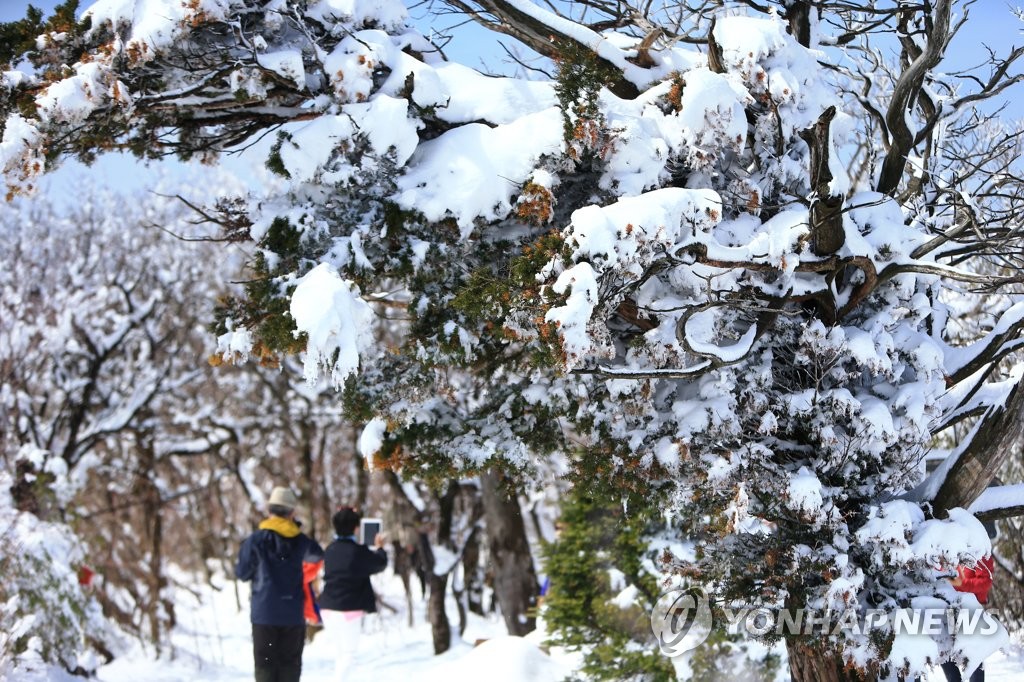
(342, 629)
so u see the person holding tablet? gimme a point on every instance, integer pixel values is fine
(347, 593)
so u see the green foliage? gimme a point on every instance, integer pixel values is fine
(274, 163)
(18, 43)
(610, 470)
(276, 329)
(490, 293)
(581, 75)
(266, 304)
(283, 240)
(484, 296)
(724, 656)
(18, 38)
(596, 536)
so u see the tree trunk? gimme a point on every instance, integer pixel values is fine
(307, 488)
(436, 614)
(515, 582)
(402, 518)
(440, 629)
(827, 233)
(814, 664)
(995, 440)
(159, 610)
(360, 474)
(474, 576)
(459, 590)
(798, 14)
(402, 567)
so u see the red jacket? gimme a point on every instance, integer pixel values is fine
(977, 580)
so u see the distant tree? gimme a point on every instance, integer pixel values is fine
(723, 249)
(112, 416)
(102, 372)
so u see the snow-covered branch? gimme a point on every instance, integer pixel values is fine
(999, 502)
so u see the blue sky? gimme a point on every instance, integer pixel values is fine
(992, 23)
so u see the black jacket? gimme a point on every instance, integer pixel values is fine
(272, 558)
(347, 570)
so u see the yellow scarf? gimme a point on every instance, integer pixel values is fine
(284, 527)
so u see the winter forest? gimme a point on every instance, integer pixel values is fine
(611, 312)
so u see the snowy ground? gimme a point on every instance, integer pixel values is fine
(212, 642)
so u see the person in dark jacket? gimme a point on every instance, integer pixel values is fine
(272, 559)
(348, 594)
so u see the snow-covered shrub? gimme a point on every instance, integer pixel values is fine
(46, 617)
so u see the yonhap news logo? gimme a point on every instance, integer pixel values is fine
(681, 620)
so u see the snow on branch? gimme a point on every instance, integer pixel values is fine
(641, 373)
(339, 331)
(698, 329)
(974, 397)
(999, 502)
(962, 362)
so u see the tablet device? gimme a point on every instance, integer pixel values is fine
(368, 530)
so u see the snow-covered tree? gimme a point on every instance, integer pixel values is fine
(717, 256)
(102, 374)
(46, 617)
(115, 423)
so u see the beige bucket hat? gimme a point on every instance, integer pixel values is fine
(283, 497)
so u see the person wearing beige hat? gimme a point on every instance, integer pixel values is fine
(272, 558)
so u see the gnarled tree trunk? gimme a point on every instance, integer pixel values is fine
(815, 664)
(827, 233)
(995, 439)
(515, 581)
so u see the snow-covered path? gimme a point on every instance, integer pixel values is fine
(212, 643)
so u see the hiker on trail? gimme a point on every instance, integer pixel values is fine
(977, 581)
(347, 593)
(272, 559)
